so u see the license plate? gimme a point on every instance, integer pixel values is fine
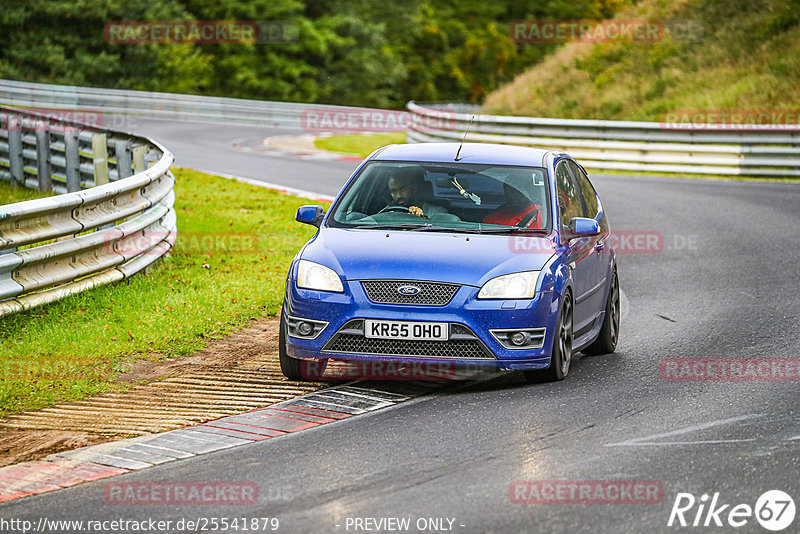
(405, 330)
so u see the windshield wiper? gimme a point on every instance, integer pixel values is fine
(428, 227)
(431, 228)
(392, 226)
(416, 228)
(513, 230)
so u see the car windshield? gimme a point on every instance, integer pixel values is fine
(460, 197)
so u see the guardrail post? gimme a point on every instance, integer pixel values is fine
(100, 157)
(122, 151)
(138, 158)
(43, 156)
(15, 150)
(151, 158)
(73, 159)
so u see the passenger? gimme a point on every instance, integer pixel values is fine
(519, 209)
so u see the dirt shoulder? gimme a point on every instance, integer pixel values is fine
(234, 374)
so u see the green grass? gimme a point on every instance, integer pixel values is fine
(739, 55)
(235, 243)
(359, 144)
(10, 194)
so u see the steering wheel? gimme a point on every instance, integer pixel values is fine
(389, 209)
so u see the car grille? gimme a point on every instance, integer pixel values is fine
(431, 293)
(463, 344)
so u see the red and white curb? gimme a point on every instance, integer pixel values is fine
(31, 478)
(95, 462)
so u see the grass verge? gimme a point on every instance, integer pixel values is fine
(359, 144)
(235, 243)
(10, 194)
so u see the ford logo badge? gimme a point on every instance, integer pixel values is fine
(408, 290)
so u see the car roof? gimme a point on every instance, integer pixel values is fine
(470, 153)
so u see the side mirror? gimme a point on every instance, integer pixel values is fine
(310, 215)
(581, 227)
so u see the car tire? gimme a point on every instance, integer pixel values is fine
(562, 348)
(606, 341)
(292, 368)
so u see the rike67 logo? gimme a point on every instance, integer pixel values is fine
(774, 510)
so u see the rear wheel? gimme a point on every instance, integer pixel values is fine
(293, 368)
(606, 341)
(562, 348)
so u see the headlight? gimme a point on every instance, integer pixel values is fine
(312, 275)
(510, 286)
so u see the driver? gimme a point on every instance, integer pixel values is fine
(404, 188)
(519, 209)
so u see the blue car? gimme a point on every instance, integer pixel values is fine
(490, 256)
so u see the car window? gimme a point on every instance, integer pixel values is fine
(452, 195)
(587, 190)
(569, 202)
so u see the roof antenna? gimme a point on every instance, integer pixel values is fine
(465, 136)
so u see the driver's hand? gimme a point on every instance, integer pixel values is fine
(415, 210)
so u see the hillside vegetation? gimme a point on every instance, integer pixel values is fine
(745, 56)
(353, 52)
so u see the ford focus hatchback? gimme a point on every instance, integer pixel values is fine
(494, 256)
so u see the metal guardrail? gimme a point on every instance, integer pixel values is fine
(625, 145)
(617, 145)
(113, 218)
(160, 105)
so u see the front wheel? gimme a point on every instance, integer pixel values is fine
(606, 341)
(562, 348)
(293, 368)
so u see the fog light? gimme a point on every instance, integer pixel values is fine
(521, 338)
(304, 328)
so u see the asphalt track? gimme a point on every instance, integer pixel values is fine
(723, 283)
(210, 147)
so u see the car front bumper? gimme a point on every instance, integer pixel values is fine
(477, 329)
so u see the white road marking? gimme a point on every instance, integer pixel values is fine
(709, 442)
(702, 426)
(297, 192)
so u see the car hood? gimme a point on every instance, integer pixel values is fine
(469, 259)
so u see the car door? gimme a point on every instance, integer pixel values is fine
(597, 259)
(579, 250)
